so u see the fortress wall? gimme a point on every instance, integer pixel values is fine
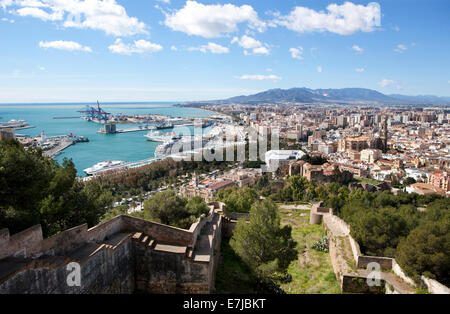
(172, 272)
(157, 231)
(435, 287)
(399, 272)
(356, 251)
(105, 271)
(384, 262)
(324, 210)
(122, 268)
(105, 230)
(168, 273)
(63, 242)
(197, 227)
(215, 252)
(25, 243)
(234, 216)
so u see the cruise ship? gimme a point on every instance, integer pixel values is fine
(104, 166)
(161, 137)
(14, 124)
(182, 145)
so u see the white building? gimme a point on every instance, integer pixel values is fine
(370, 155)
(274, 158)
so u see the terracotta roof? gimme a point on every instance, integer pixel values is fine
(220, 185)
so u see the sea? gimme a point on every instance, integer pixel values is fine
(127, 147)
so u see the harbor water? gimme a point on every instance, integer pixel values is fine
(128, 147)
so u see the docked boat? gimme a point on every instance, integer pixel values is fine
(163, 126)
(105, 166)
(182, 145)
(14, 124)
(161, 137)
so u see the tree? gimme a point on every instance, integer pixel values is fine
(379, 231)
(408, 181)
(426, 251)
(170, 209)
(316, 160)
(238, 200)
(262, 243)
(37, 190)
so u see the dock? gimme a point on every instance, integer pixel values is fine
(130, 130)
(55, 151)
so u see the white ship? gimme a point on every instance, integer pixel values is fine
(161, 137)
(182, 145)
(104, 166)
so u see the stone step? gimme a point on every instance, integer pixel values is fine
(137, 236)
(145, 240)
(171, 248)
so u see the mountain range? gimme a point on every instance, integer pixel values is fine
(336, 96)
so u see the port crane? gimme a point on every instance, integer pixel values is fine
(93, 113)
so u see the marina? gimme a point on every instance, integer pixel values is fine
(131, 147)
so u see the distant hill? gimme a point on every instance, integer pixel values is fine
(423, 99)
(344, 96)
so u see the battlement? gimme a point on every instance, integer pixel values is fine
(132, 250)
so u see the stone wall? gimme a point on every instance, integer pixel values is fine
(356, 284)
(384, 262)
(112, 260)
(435, 287)
(103, 269)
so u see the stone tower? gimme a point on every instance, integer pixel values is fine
(384, 134)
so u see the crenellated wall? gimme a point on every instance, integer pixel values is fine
(122, 255)
(338, 228)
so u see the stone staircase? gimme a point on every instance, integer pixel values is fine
(204, 247)
(146, 241)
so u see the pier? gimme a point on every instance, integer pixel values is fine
(55, 151)
(130, 130)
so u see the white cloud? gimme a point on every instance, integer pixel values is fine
(40, 14)
(359, 70)
(259, 77)
(64, 45)
(319, 69)
(357, 48)
(297, 53)
(344, 19)
(173, 48)
(4, 19)
(386, 82)
(396, 28)
(139, 46)
(211, 47)
(400, 48)
(41, 68)
(105, 15)
(212, 21)
(251, 44)
(448, 82)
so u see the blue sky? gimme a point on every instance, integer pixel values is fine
(177, 50)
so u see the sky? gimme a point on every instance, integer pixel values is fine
(178, 50)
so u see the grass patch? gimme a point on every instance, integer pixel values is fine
(312, 271)
(366, 180)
